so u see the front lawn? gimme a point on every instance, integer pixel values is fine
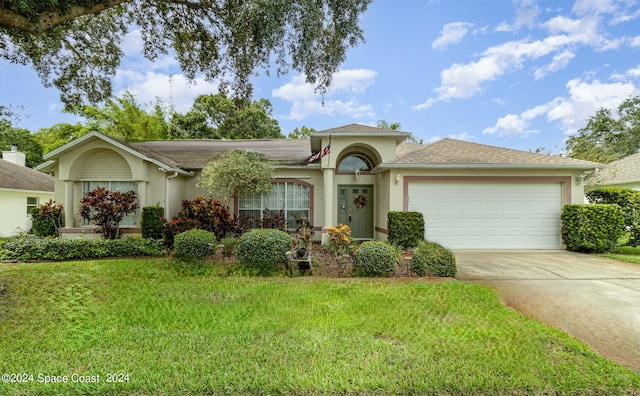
(170, 330)
(625, 253)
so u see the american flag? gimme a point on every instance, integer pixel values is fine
(321, 153)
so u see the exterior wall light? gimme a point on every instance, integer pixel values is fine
(397, 178)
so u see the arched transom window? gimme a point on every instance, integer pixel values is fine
(355, 162)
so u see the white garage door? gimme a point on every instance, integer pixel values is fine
(489, 215)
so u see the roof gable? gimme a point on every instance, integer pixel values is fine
(457, 153)
(17, 177)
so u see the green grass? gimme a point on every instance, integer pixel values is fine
(625, 253)
(189, 331)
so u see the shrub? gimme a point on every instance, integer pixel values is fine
(106, 209)
(194, 244)
(175, 227)
(592, 228)
(628, 200)
(30, 247)
(210, 215)
(263, 248)
(339, 239)
(152, 222)
(375, 258)
(433, 259)
(406, 229)
(229, 246)
(47, 219)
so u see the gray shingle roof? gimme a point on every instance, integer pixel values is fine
(195, 154)
(16, 177)
(625, 170)
(457, 153)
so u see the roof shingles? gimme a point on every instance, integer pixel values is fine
(451, 152)
(17, 177)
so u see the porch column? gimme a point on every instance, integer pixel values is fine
(329, 198)
(142, 201)
(69, 207)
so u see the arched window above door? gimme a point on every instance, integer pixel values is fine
(355, 162)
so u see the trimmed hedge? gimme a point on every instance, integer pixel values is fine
(628, 200)
(194, 244)
(31, 247)
(592, 228)
(263, 248)
(375, 258)
(152, 222)
(406, 229)
(433, 259)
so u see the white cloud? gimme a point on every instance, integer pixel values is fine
(635, 41)
(171, 89)
(464, 80)
(451, 33)
(585, 98)
(526, 14)
(586, 7)
(340, 100)
(132, 43)
(559, 62)
(571, 112)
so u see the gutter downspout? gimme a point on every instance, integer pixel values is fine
(166, 198)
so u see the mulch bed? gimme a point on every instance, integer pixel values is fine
(327, 264)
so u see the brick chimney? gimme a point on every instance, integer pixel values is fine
(14, 156)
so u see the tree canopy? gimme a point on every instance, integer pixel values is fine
(236, 171)
(217, 116)
(74, 45)
(607, 136)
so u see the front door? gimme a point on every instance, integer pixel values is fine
(355, 209)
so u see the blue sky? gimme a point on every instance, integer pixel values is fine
(521, 74)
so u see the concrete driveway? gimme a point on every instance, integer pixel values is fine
(593, 299)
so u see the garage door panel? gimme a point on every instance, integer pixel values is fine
(489, 215)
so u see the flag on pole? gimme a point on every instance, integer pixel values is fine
(320, 153)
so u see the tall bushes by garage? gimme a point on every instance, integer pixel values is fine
(31, 247)
(628, 200)
(592, 228)
(406, 229)
(152, 222)
(375, 258)
(433, 259)
(263, 249)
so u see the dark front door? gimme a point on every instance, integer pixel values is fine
(355, 209)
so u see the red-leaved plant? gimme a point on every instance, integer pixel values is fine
(106, 209)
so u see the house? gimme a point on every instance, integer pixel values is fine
(624, 173)
(21, 189)
(473, 196)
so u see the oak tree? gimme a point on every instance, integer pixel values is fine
(74, 45)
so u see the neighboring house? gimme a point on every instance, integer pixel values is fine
(624, 173)
(21, 189)
(472, 196)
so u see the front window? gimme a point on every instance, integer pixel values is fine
(355, 162)
(32, 202)
(292, 198)
(121, 186)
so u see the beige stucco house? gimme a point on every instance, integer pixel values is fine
(21, 189)
(472, 196)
